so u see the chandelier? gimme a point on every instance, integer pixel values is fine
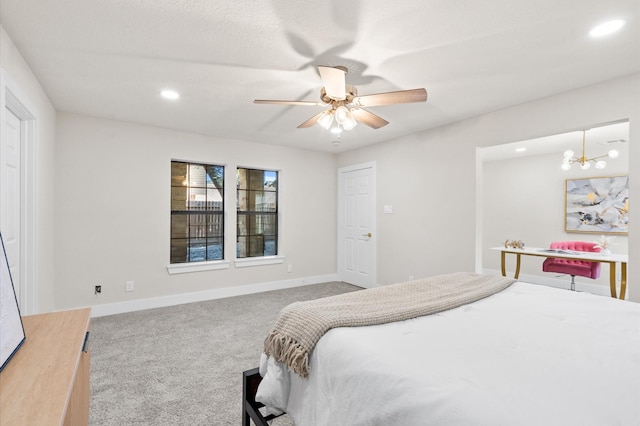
(583, 161)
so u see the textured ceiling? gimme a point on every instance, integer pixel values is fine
(111, 58)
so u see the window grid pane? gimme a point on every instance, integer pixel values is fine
(257, 213)
(197, 212)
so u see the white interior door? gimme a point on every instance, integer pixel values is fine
(10, 195)
(356, 225)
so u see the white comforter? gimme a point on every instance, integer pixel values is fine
(530, 355)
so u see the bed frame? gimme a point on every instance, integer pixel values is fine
(250, 407)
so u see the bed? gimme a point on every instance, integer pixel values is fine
(526, 355)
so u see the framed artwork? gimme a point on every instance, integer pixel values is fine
(598, 205)
(11, 329)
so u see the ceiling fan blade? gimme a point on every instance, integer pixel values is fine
(390, 98)
(334, 80)
(368, 118)
(270, 101)
(310, 122)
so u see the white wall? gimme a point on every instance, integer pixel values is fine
(432, 182)
(113, 210)
(15, 68)
(523, 199)
(431, 192)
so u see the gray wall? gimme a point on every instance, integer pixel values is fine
(14, 67)
(113, 210)
(434, 179)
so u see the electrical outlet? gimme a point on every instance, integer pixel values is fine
(98, 289)
(128, 286)
(289, 268)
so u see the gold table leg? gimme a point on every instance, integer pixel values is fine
(503, 266)
(612, 278)
(623, 279)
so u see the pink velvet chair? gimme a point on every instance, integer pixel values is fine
(573, 267)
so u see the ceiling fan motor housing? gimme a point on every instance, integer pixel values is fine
(351, 92)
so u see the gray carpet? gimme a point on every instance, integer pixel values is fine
(182, 365)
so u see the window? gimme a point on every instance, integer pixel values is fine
(197, 212)
(257, 213)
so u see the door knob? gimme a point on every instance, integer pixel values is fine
(368, 234)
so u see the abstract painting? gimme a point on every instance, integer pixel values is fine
(597, 205)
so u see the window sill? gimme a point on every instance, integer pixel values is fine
(258, 261)
(183, 268)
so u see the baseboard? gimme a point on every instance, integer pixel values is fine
(563, 282)
(219, 293)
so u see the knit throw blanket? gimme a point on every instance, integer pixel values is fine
(301, 324)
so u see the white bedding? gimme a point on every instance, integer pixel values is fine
(530, 355)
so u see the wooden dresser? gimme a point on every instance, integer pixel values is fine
(47, 380)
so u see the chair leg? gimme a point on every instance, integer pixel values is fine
(573, 283)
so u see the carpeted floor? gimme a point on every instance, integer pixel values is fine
(182, 365)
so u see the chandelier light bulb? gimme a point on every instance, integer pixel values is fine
(584, 161)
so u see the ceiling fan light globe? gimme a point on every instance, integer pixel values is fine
(585, 166)
(566, 166)
(326, 119)
(349, 123)
(613, 153)
(342, 112)
(568, 154)
(601, 164)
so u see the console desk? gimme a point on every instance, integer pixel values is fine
(611, 259)
(47, 380)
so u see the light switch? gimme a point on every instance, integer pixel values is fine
(388, 209)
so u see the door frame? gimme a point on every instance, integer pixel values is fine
(14, 99)
(374, 239)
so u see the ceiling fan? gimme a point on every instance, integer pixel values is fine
(346, 107)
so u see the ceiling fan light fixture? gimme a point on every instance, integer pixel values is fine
(326, 119)
(613, 153)
(346, 107)
(345, 118)
(349, 123)
(341, 113)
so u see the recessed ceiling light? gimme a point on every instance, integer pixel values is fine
(522, 149)
(169, 94)
(606, 28)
